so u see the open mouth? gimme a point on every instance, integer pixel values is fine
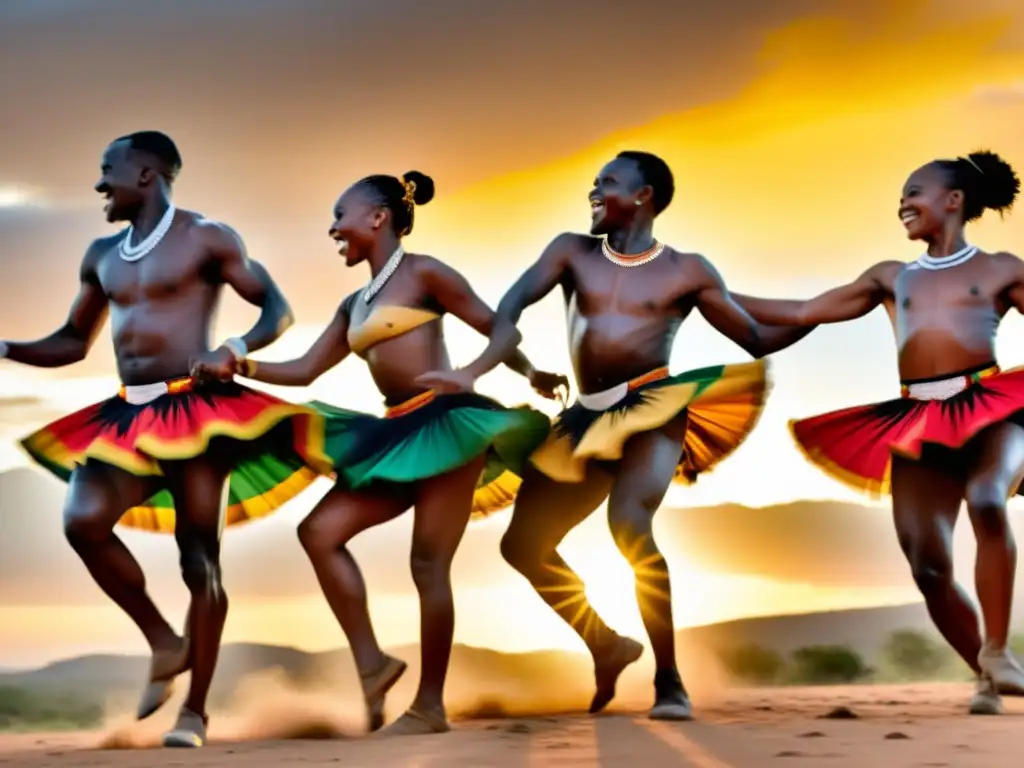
(596, 208)
(342, 245)
(908, 217)
(108, 201)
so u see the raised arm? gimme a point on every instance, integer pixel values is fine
(252, 282)
(532, 286)
(453, 292)
(327, 351)
(1013, 294)
(726, 316)
(847, 302)
(73, 340)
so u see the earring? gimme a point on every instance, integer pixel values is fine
(637, 203)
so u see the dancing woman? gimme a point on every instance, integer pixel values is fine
(957, 432)
(447, 456)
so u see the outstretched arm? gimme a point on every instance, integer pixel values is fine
(1014, 291)
(847, 302)
(72, 342)
(252, 282)
(532, 286)
(327, 351)
(453, 292)
(730, 319)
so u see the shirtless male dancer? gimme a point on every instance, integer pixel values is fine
(157, 455)
(634, 428)
(957, 432)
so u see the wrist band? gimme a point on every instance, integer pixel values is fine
(237, 347)
(247, 367)
(3, 349)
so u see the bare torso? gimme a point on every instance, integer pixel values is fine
(622, 321)
(161, 306)
(397, 361)
(945, 321)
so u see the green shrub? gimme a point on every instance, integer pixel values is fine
(824, 664)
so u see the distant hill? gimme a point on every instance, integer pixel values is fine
(818, 542)
(481, 676)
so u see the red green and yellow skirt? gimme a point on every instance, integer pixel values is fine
(856, 445)
(279, 445)
(722, 404)
(432, 434)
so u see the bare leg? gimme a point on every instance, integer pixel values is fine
(97, 497)
(545, 511)
(443, 506)
(926, 504)
(198, 488)
(324, 534)
(645, 472)
(993, 477)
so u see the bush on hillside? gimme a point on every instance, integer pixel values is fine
(827, 664)
(21, 709)
(753, 664)
(916, 655)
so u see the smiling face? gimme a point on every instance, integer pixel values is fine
(357, 224)
(927, 202)
(122, 182)
(613, 200)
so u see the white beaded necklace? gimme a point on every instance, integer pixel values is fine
(134, 253)
(384, 275)
(631, 260)
(933, 263)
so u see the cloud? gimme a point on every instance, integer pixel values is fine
(1012, 93)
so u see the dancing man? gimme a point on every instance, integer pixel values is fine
(449, 457)
(157, 455)
(957, 433)
(634, 428)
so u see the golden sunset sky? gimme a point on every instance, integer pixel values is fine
(790, 126)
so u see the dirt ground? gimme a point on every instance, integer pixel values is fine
(886, 727)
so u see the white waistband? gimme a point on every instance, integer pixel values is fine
(602, 401)
(141, 394)
(938, 390)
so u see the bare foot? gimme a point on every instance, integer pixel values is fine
(165, 665)
(986, 699)
(608, 665)
(418, 722)
(189, 732)
(376, 685)
(670, 699)
(1005, 671)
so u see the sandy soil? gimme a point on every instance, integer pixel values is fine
(891, 726)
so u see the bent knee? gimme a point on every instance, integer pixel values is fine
(519, 551)
(87, 523)
(201, 572)
(633, 535)
(429, 571)
(931, 573)
(986, 506)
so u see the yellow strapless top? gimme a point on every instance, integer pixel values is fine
(386, 322)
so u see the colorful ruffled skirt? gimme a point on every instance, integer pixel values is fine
(722, 405)
(856, 445)
(278, 445)
(432, 434)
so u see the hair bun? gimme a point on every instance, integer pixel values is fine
(998, 184)
(424, 186)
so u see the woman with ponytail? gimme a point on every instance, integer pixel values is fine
(956, 434)
(449, 457)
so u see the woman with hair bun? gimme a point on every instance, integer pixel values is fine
(957, 432)
(449, 457)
